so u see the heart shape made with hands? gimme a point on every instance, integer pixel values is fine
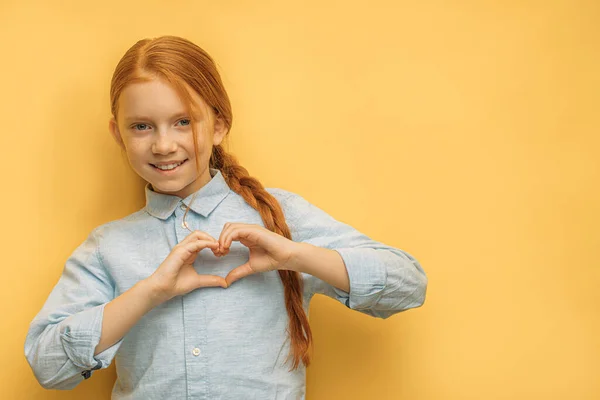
(268, 250)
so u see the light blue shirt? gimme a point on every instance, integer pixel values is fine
(212, 343)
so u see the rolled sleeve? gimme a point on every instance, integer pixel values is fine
(367, 279)
(384, 280)
(80, 334)
(63, 336)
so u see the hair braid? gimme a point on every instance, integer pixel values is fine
(253, 192)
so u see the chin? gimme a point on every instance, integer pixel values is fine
(168, 188)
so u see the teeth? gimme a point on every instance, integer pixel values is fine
(168, 167)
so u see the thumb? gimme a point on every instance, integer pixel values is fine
(210, 281)
(238, 273)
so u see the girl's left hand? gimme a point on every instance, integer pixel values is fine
(268, 250)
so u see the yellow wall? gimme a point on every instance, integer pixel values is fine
(474, 123)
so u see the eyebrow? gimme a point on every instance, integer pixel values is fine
(133, 118)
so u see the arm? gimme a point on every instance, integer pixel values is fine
(324, 264)
(122, 313)
(61, 340)
(81, 327)
(382, 280)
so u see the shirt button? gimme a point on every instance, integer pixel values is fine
(196, 351)
(183, 206)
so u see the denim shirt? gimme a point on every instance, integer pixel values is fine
(211, 343)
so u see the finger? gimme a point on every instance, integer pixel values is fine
(205, 236)
(238, 273)
(200, 235)
(248, 235)
(210, 281)
(189, 279)
(196, 246)
(226, 228)
(224, 231)
(232, 233)
(189, 251)
(197, 235)
(203, 243)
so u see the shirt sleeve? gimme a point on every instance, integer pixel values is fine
(62, 337)
(383, 280)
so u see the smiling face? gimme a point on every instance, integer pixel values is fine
(155, 130)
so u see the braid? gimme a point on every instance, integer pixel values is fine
(253, 192)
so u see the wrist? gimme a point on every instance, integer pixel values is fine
(152, 292)
(323, 263)
(295, 259)
(303, 257)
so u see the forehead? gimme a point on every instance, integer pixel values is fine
(155, 98)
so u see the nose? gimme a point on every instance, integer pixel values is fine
(164, 144)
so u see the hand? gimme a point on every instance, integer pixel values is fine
(177, 276)
(268, 250)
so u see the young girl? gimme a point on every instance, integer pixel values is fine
(203, 293)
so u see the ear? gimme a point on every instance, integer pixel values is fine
(113, 127)
(220, 131)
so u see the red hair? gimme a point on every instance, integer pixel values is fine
(181, 62)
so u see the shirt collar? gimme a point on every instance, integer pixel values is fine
(208, 197)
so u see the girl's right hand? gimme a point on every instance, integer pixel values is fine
(176, 275)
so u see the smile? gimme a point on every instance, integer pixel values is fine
(169, 167)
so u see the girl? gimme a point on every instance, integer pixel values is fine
(128, 292)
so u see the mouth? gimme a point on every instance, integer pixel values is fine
(169, 168)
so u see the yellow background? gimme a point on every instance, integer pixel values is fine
(464, 132)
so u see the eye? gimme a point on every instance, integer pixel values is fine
(185, 121)
(136, 126)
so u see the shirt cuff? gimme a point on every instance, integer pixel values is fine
(368, 277)
(80, 334)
